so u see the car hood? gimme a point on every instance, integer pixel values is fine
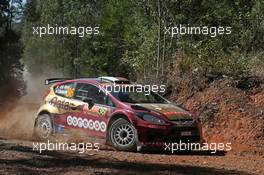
(172, 112)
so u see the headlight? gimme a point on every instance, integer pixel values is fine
(151, 119)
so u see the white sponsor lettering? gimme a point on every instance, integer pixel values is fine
(103, 126)
(80, 122)
(97, 125)
(87, 124)
(69, 120)
(75, 121)
(91, 124)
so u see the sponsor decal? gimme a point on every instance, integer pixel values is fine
(102, 111)
(87, 124)
(64, 89)
(180, 118)
(185, 123)
(96, 125)
(62, 104)
(176, 113)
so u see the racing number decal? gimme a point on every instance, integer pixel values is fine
(70, 92)
(87, 124)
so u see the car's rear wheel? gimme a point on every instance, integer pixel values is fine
(123, 135)
(43, 127)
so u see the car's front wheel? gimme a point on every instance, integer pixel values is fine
(43, 127)
(123, 135)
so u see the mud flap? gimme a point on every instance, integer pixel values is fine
(139, 145)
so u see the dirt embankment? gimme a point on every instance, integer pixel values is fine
(231, 111)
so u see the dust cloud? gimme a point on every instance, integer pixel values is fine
(17, 117)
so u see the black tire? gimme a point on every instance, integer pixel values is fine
(43, 128)
(123, 135)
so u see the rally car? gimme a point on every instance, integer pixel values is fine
(124, 119)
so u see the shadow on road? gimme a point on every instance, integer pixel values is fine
(50, 162)
(191, 153)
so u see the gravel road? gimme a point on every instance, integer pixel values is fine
(18, 157)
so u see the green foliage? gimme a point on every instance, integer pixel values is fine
(132, 40)
(11, 77)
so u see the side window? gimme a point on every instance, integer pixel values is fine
(81, 91)
(65, 90)
(90, 91)
(109, 102)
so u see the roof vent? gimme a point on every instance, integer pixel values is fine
(117, 80)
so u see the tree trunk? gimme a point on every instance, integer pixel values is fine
(163, 50)
(159, 23)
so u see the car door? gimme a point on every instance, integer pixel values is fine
(61, 103)
(61, 100)
(92, 119)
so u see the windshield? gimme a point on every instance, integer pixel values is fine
(136, 96)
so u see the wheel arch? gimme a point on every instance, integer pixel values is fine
(45, 112)
(114, 118)
(117, 116)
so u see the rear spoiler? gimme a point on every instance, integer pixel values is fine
(55, 80)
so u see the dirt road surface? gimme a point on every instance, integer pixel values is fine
(18, 157)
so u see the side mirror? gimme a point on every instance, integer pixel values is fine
(89, 101)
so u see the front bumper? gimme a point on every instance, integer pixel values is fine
(158, 135)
